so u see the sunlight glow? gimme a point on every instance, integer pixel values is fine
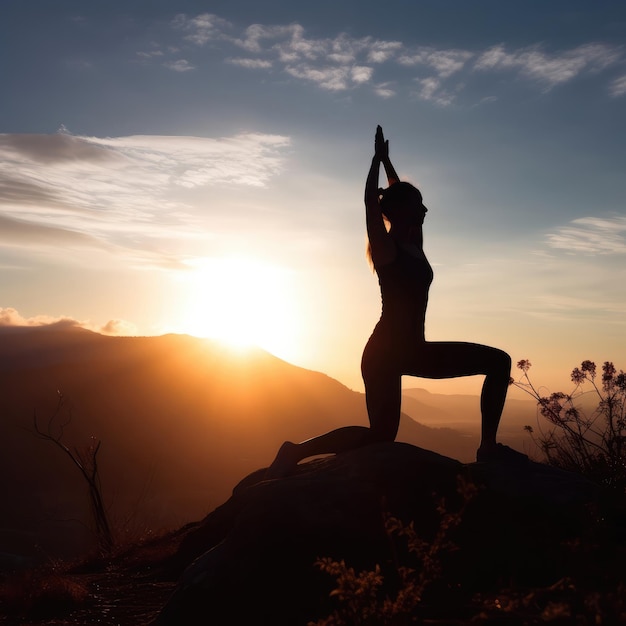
(241, 301)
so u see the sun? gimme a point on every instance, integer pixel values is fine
(241, 301)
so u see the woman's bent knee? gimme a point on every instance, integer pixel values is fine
(500, 364)
(504, 360)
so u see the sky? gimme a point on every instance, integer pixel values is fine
(198, 167)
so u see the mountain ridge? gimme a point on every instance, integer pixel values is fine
(180, 419)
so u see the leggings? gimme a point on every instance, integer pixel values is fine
(383, 366)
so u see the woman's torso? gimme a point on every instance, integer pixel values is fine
(404, 285)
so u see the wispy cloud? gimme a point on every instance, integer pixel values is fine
(385, 90)
(443, 62)
(254, 36)
(343, 62)
(430, 89)
(550, 69)
(382, 51)
(331, 78)
(251, 64)
(200, 29)
(181, 65)
(592, 236)
(17, 233)
(150, 54)
(618, 86)
(125, 194)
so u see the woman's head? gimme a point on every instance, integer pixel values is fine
(402, 202)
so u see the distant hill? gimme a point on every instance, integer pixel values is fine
(181, 421)
(462, 412)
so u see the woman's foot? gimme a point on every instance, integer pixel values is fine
(285, 461)
(499, 453)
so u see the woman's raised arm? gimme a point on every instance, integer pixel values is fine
(382, 248)
(383, 146)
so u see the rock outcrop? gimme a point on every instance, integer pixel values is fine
(251, 561)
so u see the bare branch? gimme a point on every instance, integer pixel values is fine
(86, 462)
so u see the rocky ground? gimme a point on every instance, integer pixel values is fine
(533, 546)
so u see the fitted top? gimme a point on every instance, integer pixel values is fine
(404, 285)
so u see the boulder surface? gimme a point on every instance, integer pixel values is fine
(252, 560)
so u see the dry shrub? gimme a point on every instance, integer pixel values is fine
(42, 593)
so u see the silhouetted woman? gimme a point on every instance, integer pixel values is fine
(398, 344)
